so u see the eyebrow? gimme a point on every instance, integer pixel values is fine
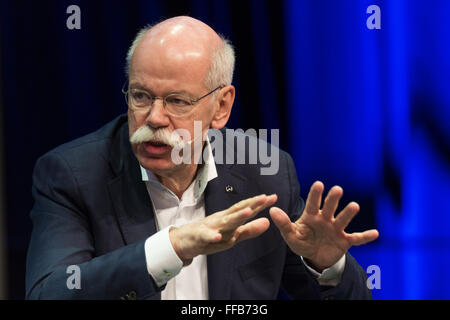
(137, 85)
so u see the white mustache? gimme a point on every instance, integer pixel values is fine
(146, 134)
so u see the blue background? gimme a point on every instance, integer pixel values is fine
(368, 110)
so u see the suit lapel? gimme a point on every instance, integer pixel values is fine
(129, 193)
(221, 193)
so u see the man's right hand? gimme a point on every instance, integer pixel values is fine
(221, 230)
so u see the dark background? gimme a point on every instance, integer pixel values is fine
(366, 109)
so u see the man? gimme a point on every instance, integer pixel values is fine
(138, 225)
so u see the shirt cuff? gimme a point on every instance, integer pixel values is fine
(330, 276)
(162, 261)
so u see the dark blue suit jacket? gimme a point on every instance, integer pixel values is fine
(93, 210)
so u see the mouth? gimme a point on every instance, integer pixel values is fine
(156, 143)
(156, 148)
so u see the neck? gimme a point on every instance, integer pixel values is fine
(179, 181)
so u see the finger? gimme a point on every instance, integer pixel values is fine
(250, 202)
(270, 200)
(346, 215)
(360, 238)
(252, 229)
(314, 198)
(281, 220)
(234, 220)
(331, 202)
(230, 222)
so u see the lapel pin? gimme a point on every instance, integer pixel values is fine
(229, 188)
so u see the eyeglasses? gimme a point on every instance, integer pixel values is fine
(175, 104)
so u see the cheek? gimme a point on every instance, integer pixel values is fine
(191, 125)
(135, 121)
(205, 114)
(131, 122)
(184, 126)
(131, 128)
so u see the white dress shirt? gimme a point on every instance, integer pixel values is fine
(163, 264)
(191, 282)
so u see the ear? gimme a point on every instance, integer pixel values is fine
(223, 104)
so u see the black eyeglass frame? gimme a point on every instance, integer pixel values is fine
(153, 98)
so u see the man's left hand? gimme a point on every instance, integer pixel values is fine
(317, 235)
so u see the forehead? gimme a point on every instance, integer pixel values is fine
(171, 59)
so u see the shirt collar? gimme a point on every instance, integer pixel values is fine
(205, 173)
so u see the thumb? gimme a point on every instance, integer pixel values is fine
(281, 220)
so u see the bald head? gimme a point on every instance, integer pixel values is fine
(184, 41)
(191, 34)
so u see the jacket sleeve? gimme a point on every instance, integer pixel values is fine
(62, 237)
(353, 282)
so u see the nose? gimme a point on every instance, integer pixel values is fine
(157, 117)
